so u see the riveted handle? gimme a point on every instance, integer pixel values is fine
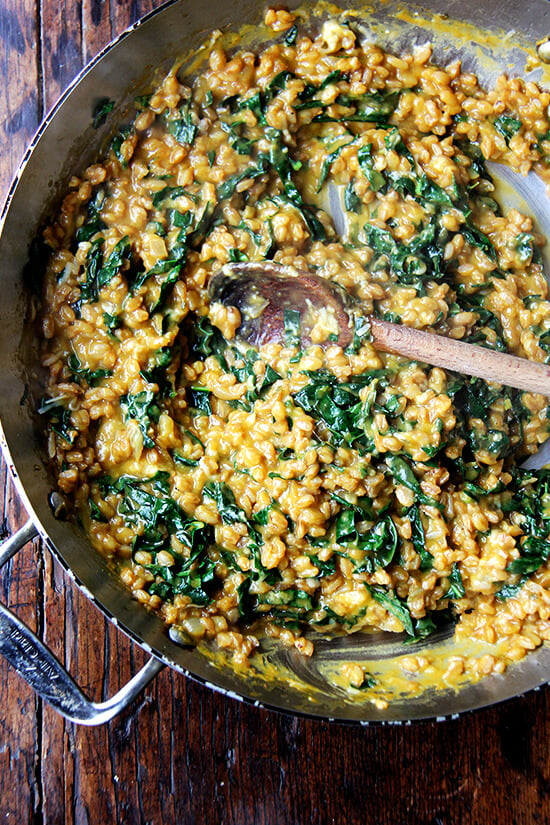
(44, 673)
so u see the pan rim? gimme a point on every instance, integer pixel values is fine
(44, 533)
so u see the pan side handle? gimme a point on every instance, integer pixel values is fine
(44, 673)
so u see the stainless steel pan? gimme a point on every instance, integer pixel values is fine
(65, 143)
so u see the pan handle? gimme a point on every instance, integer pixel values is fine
(43, 672)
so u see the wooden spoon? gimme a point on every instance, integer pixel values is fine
(263, 292)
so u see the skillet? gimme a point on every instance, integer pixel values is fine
(65, 144)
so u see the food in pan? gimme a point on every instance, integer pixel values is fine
(245, 491)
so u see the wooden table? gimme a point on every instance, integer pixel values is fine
(182, 754)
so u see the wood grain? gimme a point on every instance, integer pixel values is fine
(182, 754)
(60, 47)
(19, 762)
(20, 110)
(461, 357)
(20, 99)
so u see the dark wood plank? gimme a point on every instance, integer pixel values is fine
(96, 26)
(20, 110)
(60, 47)
(125, 14)
(99, 657)
(20, 98)
(20, 720)
(104, 20)
(194, 757)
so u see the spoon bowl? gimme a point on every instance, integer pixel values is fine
(265, 293)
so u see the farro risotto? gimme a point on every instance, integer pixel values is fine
(244, 492)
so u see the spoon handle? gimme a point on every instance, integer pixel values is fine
(498, 367)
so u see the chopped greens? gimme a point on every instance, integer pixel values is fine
(143, 409)
(59, 418)
(80, 373)
(507, 126)
(380, 542)
(376, 179)
(147, 505)
(235, 130)
(534, 552)
(224, 498)
(402, 472)
(338, 408)
(112, 322)
(93, 223)
(291, 36)
(99, 272)
(329, 160)
(208, 340)
(101, 110)
(292, 327)
(456, 588)
(393, 605)
(168, 193)
(371, 107)
(352, 201)
(183, 125)
(418, 537)
(531, 506)
(254, 170)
